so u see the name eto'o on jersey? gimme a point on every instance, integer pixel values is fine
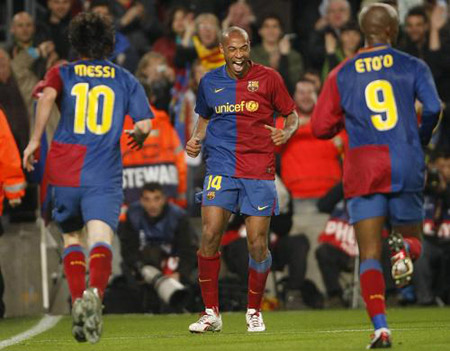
(250, 106)
(96, 71)
(375, 63)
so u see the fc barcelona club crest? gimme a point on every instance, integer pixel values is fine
(253, 85)
(211, 195)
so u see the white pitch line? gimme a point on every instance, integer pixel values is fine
(47, 322)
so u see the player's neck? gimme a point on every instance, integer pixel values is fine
(376, 42)
(244, 72)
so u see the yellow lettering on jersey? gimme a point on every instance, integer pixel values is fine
(250, 106)
(97, 71)
(375, 63)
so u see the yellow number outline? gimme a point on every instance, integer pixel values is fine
(86, 108)
(387, 105)
(214, 182)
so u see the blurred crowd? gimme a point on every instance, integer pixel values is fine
(169, 45)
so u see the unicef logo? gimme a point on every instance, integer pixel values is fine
(251, 106)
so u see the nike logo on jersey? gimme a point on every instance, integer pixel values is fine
(262, 208)
(218, 90)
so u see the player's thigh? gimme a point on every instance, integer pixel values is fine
(220, 191)
(407, 213)
(66, 210)
(100, 207)
(258, 198)
(214, 221)
(368, 215)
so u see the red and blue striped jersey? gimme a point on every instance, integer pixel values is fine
(237, 143)
(373, 95)
(94, 96)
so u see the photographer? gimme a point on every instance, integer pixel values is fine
(432, 269)
(158, 247)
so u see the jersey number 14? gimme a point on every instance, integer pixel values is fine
(380, 99)
(86, 108)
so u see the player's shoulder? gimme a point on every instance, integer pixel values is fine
(269, 72)
(214, 74)
(407, 59)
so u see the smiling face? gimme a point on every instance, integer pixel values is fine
(236, 50)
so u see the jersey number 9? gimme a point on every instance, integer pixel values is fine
(380, 99)
(86, 108)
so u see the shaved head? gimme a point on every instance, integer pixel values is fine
(22, 27)
(22, 16)
(379, 23)
(234, 31)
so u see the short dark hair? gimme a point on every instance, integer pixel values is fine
(92, 35)
(98, 3)
(271, 16)
(418, 11)
(152, 187)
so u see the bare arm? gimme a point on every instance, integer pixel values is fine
(43, 111)
(193, 146)
(281, 136)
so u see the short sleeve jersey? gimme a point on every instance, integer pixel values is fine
(94, 96)
(237, 144)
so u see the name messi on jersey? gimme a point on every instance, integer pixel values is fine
(375, 63)
(250, 106)
(96, 71)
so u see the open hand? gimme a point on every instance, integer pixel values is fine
(135, 142)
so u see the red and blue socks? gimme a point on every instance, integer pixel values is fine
(257, 276)
(413, 246)
(208, 278)
(75, 270)
(100, 262)
(372, 290)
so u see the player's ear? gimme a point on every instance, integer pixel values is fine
(221, 48)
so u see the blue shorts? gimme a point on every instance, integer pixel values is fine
(400, 208)
(252, 197)
(72, 207)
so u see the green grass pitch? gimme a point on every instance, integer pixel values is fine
(413, 329)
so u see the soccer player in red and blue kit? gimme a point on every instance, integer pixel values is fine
(84, 164)
(236, 104)
(373, 95)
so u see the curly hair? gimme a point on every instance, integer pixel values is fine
(92, 35)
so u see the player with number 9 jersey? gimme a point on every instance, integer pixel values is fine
(373, 96)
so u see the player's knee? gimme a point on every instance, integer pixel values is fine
(258, 249)
(100, 237)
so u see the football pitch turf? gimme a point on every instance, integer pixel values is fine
(413, 329)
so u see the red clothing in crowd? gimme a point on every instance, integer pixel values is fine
(309, 166)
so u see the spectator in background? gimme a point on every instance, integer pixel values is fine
(200, 41)
(309, 168)
(432, 269)
(158, 233)
(124, 53)
(56, 26)
(337, 14)
(13, 103)
(337, 50)
(161, 159)
(428, 38)
(12, 180)
(138, 21)
(275, 51)
(185, 119)
(314, 77)
(30, 56)
(174, 31)
(240, 14)
(154, 70)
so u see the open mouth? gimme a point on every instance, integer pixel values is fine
(238, 66)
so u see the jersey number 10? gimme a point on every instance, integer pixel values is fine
(380, 99)
(86, 108)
